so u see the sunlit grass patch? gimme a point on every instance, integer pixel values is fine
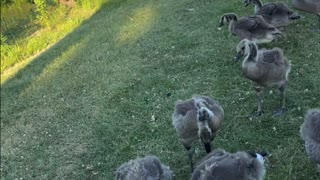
(140, 22)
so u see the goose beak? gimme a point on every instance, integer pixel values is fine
(263, 153)
(278, 33)
(246, 3)
(294, 17)
(238, 56)
(260, 158)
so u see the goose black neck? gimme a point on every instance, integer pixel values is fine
(259, 3)
(253, 52)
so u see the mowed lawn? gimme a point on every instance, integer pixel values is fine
(105, 93)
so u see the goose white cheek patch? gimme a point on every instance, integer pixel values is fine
(260, 158)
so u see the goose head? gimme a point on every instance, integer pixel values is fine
(204, 115)
(227, 18)
(254, 2)
(260, 156)
(243, 48)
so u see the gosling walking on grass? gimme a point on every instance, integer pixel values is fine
(266, 69)
(277, 14)
(197, 118)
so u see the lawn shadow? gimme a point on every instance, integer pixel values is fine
(25, 76)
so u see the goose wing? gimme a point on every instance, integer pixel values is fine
(259, 24)
(272, 56)
(267, 9)
(247, 23)
(183, 107)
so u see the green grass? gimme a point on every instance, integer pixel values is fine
(86, 105)
(26, 37)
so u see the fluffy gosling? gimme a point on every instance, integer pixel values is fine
(199, 117)
(223, 165)
(277, 14)
(265, 68)
(147, 168)
(310, 133)
(254, 28)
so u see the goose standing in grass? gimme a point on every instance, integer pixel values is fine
(199, 117)
(265, 68)
(309, 6)
(147, 168)
(277, 14)
(223, 165)
(254, 28)
(310, 133)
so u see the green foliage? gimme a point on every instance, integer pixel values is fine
(6, 2)
(41, 10)
(14, 15)
(85, 4)
(5, 48)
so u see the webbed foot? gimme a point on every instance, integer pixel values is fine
(280, 112)
(256, 114)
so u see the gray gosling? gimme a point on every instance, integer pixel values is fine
(147, 168)
(277, 14)
(199, 117)
(309, 6)
(310, 133)
(254, 28)
(223, 165)
(265, 68)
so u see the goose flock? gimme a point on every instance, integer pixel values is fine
(200, 117)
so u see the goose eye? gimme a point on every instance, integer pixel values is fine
(290, 12)
(271, 29)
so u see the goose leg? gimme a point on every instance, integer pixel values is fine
(207, 147)
(282, 109)
(318, 21)
(259, 92)
(190, 154)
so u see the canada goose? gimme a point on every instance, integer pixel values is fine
(254, 28)
(277, 14)
(310, 133)
(199, 117)
(223, 165)
(310, 6)
(265, 68)
(147, 168)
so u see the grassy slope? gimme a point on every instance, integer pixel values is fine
(87, 104)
